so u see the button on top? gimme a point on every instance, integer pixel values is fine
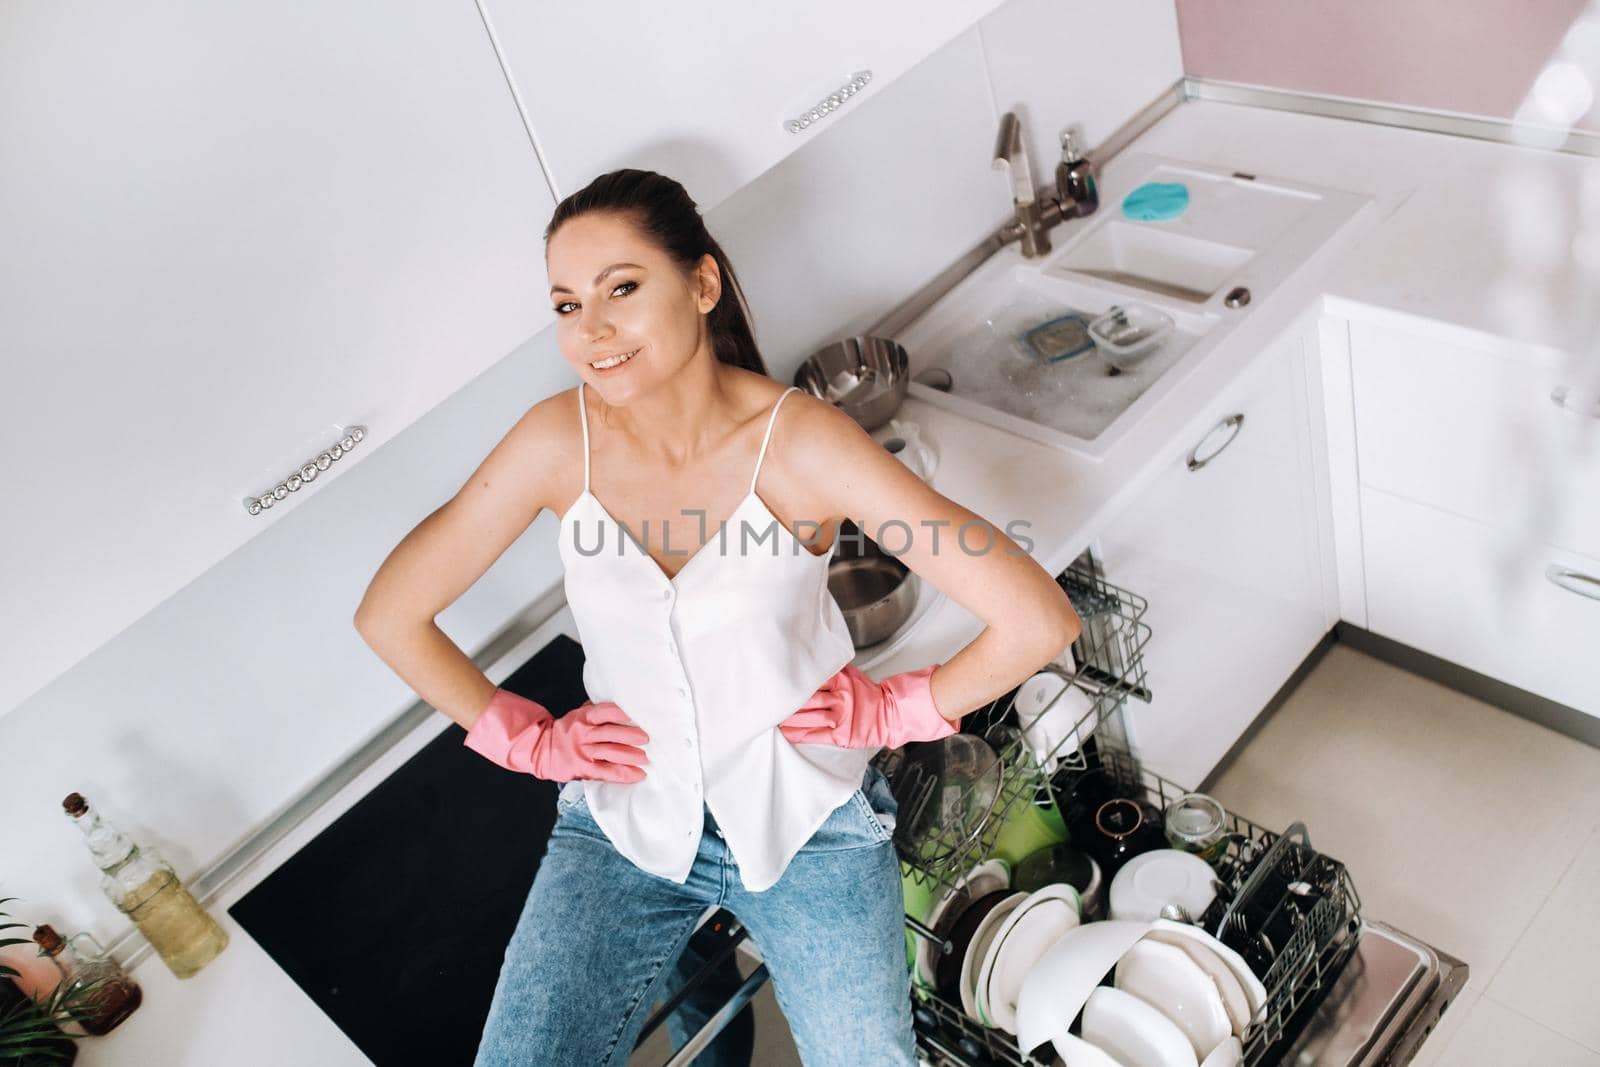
(666, 594)
(688, 742)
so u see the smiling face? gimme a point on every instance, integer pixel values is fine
(615, 292)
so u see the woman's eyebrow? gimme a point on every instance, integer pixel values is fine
(598, 278)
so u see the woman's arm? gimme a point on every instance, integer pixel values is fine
(450, 550)
(1030, 619)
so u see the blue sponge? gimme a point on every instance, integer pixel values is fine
(1154, 201)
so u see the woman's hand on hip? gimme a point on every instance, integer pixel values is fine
(850, 710)
(590, 741)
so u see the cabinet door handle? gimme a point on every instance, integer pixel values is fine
(1561, 397)
(1574, 581)
(308, 471)
(831, 102)
(1234, 421)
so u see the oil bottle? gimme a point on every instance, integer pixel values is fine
(99, 987)
(144, 886)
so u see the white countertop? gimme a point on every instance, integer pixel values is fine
(1449, 234)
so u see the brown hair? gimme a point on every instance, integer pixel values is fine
(661, 208)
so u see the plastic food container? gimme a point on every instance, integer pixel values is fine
(1039, 328)
(1127, 333)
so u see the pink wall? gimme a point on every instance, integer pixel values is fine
(1473, 56)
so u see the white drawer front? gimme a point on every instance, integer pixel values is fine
(1475, 431)
(1477, 595)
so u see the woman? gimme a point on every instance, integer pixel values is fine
(723, 756)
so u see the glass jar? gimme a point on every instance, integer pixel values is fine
(1196, 823)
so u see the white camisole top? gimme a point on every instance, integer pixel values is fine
(708, 663)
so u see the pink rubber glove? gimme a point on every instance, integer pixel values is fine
(590, 741)
(853, 711)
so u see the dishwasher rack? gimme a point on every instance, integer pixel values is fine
(1305, 968)
(938, 849)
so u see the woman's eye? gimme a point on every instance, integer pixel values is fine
(561, 308)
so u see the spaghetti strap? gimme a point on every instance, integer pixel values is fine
(770, 420)
(583, 419)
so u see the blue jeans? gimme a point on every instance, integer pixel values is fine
(599, 943)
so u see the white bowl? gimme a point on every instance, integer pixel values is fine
(1132, 1032)
(1164, 977)
(1062, 979)
(1152, 880)
(978, 949)
(1048, 708)
(1254, 991)
(1026, 935)
(980, 881)
(1234, 999)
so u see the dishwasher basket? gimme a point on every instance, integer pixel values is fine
(1256, 870)
(1110, 667)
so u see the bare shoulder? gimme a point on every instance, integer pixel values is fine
(825, 458)
(824, 434)
(540, 458)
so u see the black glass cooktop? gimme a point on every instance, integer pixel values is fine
(394, 919)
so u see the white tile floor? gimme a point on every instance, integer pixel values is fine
(1462, 824)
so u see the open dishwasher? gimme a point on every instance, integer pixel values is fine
(1339, 989)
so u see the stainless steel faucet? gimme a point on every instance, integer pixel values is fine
(1034, 214)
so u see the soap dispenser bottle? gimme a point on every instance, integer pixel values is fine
(1075, 182)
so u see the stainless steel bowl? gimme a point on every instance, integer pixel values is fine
(874, 590)
(866, 377)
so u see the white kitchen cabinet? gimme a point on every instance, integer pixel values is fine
(231, 231)
(1230, 558)
(1480, 526)
(1476, 429)
(702, 94)
(1485, 597)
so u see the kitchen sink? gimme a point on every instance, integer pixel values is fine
(1240, 234)
(1135, 254)
(1079, 397)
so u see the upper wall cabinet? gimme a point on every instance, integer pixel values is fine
(232, 232)
(704, 93)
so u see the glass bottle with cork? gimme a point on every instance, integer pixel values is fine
(144, 886)
(97, 987)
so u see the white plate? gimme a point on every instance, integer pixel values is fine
(1076, 1052)
(1065, 975)
(1133, 1032)
(1234, 998)
(1152, 880)
(1228, 1054)
(980, 881)
(1164, 977)
(1253, 989)
(982, 938)
(1026, 935)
